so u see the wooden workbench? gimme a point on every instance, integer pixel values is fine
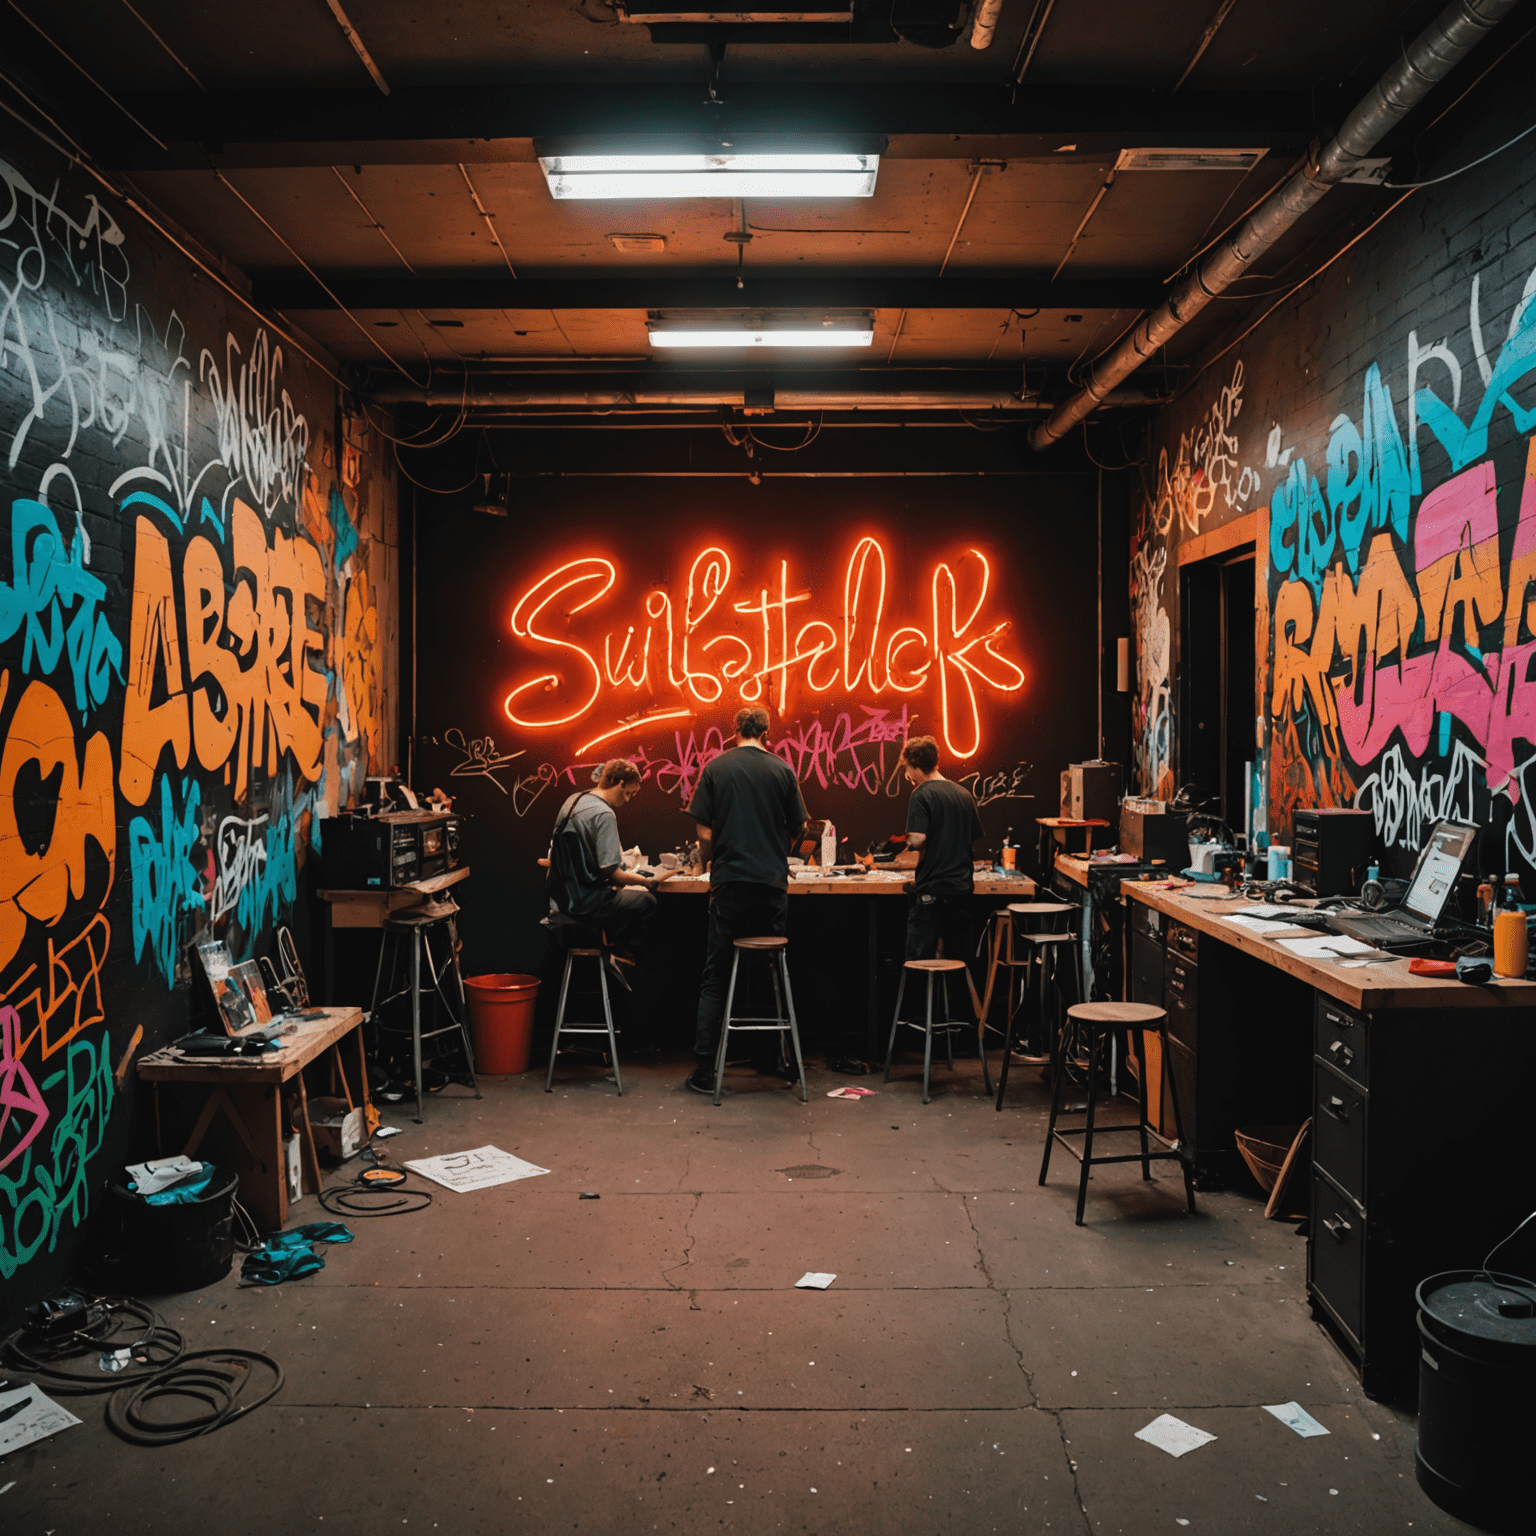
(249, 1091)
(1383, 985)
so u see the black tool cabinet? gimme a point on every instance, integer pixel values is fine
(1239, 1038)
(1421, 1161)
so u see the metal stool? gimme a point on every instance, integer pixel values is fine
(1007, 937)
(421, 923)
(948, 1024)
(783, 1019)
(585, 1026)
(1045, 955)
(1098, 1021)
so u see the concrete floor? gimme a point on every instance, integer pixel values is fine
(519, 1359)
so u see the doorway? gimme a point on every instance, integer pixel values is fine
(1218, 680)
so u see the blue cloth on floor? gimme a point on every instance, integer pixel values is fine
(287, 1255)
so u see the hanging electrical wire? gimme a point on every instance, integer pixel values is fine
(1434, 181)
(811, 434)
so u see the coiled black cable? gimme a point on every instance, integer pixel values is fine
(215, 1377)
(156, 1349)
(343, 1201)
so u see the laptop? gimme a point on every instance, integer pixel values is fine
(1440, 863)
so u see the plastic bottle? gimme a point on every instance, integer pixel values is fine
(1511, 943)
(828, 845)
(1485, 904)
(1279, 861)
(1010, 851)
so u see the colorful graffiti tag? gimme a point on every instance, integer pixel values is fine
(188, 670)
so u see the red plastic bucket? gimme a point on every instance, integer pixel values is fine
(501, 1021)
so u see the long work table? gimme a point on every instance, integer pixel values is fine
(1416, 1087)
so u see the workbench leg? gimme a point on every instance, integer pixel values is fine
(872, 977)
(362, 1066)
(307, 1132)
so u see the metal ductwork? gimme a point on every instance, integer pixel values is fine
(937, 390)
(1427, 60)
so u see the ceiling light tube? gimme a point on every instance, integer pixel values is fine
(762, 330)
(584, 169)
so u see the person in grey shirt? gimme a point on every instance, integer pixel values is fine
(588, 884)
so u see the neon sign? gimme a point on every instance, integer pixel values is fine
(695, 652)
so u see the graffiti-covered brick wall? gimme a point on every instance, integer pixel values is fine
(1378, 428)
(197, 615)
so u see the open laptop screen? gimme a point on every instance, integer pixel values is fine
(1440, 862)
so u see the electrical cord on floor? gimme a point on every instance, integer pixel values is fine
(157, 1349)
(215, 1377)
(343, 1201)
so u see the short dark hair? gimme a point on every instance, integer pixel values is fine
(752, 721)
(616, 771)
(922, 753)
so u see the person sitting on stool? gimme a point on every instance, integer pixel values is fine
(941, 826)
(749, 813)
(588, 883)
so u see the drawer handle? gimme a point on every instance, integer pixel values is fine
(1336, 1228)
(1342, 1052)
(1338, 1108)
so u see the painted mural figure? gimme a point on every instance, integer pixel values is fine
(749, 812)
(588, 884)
(942, 824)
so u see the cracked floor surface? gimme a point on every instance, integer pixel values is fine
(521, 1359)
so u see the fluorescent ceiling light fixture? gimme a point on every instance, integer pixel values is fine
(589, 169)
(1188, 159)
(763, 330)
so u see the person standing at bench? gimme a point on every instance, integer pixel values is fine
(942, 824)
(749, 812)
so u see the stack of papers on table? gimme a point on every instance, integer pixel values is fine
(1266, 927)
(1326, 946)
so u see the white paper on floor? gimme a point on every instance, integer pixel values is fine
(1294, 1416)
(1173, 1435)
(479, 1169)
(36, 1419)
(387, 1130)
(814, 1280)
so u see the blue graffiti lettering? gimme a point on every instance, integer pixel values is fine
(49, 579)
(165, 881)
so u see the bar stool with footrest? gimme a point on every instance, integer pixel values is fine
(1048, 960)
(1095, 1024)
(423, 925)
(783, 1020)
(584, 1026)
(932, 969)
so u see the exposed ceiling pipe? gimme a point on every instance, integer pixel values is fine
(1448, 39)
(986, 23)
(636, 394)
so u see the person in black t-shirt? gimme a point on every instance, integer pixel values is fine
(749, 812)
(941, 826)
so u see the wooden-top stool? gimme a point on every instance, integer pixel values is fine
(947, 1025)
(773, 949)
(1096, 1023)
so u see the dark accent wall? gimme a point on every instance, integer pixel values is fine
(1038, 533)
(197, 612)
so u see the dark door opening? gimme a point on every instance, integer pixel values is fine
(1218, 679)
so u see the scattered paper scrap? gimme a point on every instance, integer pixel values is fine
(1173, 1435)
(26, 1416)
(814, 1280)
(852, 1093)
(1375, 957)
(482, 1168)
(385, 1131)
(1294, 1416)
(1325, 946)
(1267, 927)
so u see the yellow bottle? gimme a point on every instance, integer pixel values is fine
(1511, 943)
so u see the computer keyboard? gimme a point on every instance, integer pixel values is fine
(1363, 926)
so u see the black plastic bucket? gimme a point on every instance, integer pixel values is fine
(1477, 1396)
(154, 1249)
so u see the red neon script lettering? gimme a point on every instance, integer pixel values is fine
(763, 649)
